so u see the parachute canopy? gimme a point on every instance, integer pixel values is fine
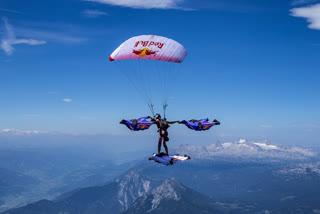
(151, 64)
(150, 47)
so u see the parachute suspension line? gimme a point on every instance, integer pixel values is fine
(164, 110)
(169, 78)
(151, 108)
(144, 80)
(143, 95)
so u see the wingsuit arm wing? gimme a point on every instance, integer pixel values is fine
(139, 124)
(190, 125)
(199, 125)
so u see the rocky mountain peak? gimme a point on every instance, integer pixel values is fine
(131, 186)
(169, 189)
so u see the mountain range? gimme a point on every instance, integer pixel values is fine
(131, 194)
(173, 197)
(110, 198)
(262, 151)
(233, 177)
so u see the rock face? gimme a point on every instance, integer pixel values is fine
(131, 186)
(173, 197)
(111, 198)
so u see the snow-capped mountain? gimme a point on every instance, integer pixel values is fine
(243, 149)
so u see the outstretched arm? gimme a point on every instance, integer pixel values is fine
(173, 122)
(151, 118)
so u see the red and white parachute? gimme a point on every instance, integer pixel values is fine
(150, 47)
(150, 63)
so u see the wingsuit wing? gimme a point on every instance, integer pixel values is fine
(191, 125)
(141, 124)
(205, 125)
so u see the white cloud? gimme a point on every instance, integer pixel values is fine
(9, 39)
(22, 132)
(53, 35)
(29, 42)
(94, 13)
(311, 13)
(18, 132)
(10, 11)
(143, 4)
(67, 100)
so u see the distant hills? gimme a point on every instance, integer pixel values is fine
(111, 198)
(27, 176)
(13, 184)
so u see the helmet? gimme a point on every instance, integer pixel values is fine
(157, 116)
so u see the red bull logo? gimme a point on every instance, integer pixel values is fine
(149, 43)
(144, 52)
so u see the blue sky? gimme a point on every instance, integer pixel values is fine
(251, 64)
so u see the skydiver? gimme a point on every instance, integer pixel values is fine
(163, 126)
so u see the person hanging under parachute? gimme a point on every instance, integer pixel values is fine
(200, 125)
(139, 124)
(163, 126)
